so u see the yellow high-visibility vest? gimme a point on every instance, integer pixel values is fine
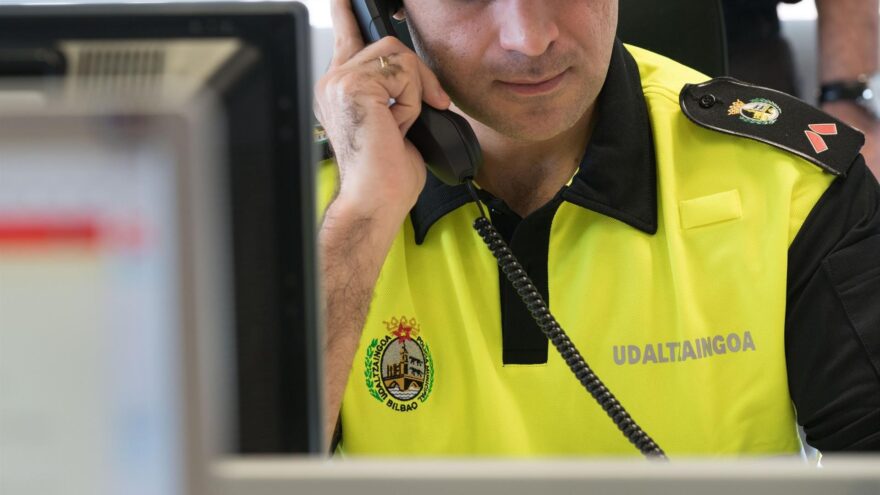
(684, 325)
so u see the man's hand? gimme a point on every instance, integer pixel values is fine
(366, 104)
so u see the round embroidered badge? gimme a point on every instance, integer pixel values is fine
(398, 368)
(759, 111)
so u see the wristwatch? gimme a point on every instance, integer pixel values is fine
(864, 91)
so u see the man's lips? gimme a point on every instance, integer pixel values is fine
(531, 88)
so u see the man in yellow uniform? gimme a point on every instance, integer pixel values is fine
(711, 247)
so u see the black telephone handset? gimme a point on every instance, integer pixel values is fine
(445, 139)
(450, 148)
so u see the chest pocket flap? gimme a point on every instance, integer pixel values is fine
(711, 209)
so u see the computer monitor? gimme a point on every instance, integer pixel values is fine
(255, 58)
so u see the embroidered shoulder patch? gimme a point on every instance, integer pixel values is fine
(733, 107)
(398, 368)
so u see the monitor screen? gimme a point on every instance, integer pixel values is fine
(91, 360)
(255, 58)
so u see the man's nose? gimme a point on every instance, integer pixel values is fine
(526, 26)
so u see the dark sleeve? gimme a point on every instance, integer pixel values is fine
(832, 327)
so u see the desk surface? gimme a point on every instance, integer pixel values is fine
(276, 476)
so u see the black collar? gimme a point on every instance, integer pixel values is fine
(617, 176)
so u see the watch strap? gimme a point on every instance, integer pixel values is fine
(854, 90)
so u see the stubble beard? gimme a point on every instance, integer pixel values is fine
(525, 126)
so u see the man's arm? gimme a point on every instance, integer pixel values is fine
(353, 246)
(380, 177)
(848, 48)
(832, 328)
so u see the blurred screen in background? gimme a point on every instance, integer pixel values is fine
(90, 367)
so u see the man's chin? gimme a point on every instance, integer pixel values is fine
(526, 123)
(531, 127)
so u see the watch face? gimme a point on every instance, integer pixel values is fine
(871, 96)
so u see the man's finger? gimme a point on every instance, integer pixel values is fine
(432, 92)
(347, 36)
(396, 53)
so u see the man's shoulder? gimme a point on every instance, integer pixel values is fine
(662, 75)
(741, 110)
(738, 110)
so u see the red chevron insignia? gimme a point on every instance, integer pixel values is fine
(815, 133)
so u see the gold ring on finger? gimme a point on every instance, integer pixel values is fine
(383, 62)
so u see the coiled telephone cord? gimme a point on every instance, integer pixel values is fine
(537, 307)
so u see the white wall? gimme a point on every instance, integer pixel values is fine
(322, 50)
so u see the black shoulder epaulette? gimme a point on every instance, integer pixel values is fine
(325, 152)
(734, 107)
